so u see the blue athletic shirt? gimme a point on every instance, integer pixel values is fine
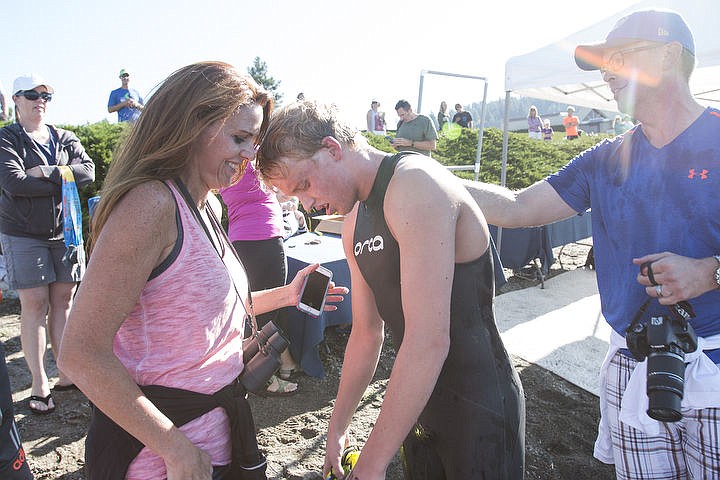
(649, 200)
(125, 114)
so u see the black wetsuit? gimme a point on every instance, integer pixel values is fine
(473, 426)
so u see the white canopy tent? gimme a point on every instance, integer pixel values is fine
(550, 72)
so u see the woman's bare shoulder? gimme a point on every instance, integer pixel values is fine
(145, 213)
(151, 199)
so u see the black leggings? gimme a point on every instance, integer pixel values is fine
(266, 267)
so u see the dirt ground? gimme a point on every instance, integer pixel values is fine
(561, 419)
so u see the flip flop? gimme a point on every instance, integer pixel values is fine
(64, 388)
(45, 400)
(283, 388)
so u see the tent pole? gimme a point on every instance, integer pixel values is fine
(503, 171)
(420, 93)
(478, 156)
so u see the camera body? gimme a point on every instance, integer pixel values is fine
(664, 340)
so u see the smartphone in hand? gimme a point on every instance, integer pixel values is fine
(315, 287)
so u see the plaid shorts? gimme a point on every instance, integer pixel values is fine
(687, 449)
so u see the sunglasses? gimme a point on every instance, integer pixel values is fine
(33, 95)
(617, 60)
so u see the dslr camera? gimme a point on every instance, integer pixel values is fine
(664, 340)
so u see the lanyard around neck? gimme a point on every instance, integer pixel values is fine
(223, 240)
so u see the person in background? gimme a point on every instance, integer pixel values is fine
(375, 119)
(654, 199)
(571, 122)
(622, 124)
(126, 101)
(13, 461)
(443, 116)
(547, 131)
(462, 118)
(32, 156)
(534, 124)
(3, 105)
(255, 228)
(293, 223)
(155, 337)
(415, 132)
(426, 272)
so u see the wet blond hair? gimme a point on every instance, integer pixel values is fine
(296, 131)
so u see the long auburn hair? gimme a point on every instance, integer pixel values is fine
(159, 144)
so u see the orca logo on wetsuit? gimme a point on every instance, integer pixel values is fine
(374, 244)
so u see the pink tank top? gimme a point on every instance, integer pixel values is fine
(186, 332)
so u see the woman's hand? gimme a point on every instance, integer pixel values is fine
(35, 172)
(191, 464)
(334, 294)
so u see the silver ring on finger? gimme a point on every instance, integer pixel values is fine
(658, 290)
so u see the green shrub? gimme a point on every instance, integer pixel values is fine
(100, 141)
(379, 142)
(529, 160)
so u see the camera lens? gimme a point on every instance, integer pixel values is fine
(665, 379)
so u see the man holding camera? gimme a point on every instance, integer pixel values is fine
(421, 265)
(655, 196)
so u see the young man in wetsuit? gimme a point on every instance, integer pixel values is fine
(417, 249)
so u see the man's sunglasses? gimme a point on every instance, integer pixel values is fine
(33, 95)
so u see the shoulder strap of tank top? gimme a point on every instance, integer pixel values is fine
(382, 179)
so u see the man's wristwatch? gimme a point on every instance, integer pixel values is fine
(717, 272)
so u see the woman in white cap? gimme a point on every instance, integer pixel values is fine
(32, 154)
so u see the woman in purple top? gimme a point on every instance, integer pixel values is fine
(255, 228)
(534, 124)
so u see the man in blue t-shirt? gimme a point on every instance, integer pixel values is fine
(126, 101)
(655, 197)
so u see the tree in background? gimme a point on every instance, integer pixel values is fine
(259, 72)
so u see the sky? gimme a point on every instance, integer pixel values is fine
(348, 53)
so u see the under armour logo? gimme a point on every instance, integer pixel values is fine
(662, 32)
(703, 173)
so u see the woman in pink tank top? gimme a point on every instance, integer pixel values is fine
(164, 301)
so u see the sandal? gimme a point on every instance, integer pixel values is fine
(64, 388)
(282, 388)
(39, 399)
(289, 373)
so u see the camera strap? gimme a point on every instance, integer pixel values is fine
(222, 240)
(640, 312)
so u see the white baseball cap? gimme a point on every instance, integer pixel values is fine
(30, 82)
